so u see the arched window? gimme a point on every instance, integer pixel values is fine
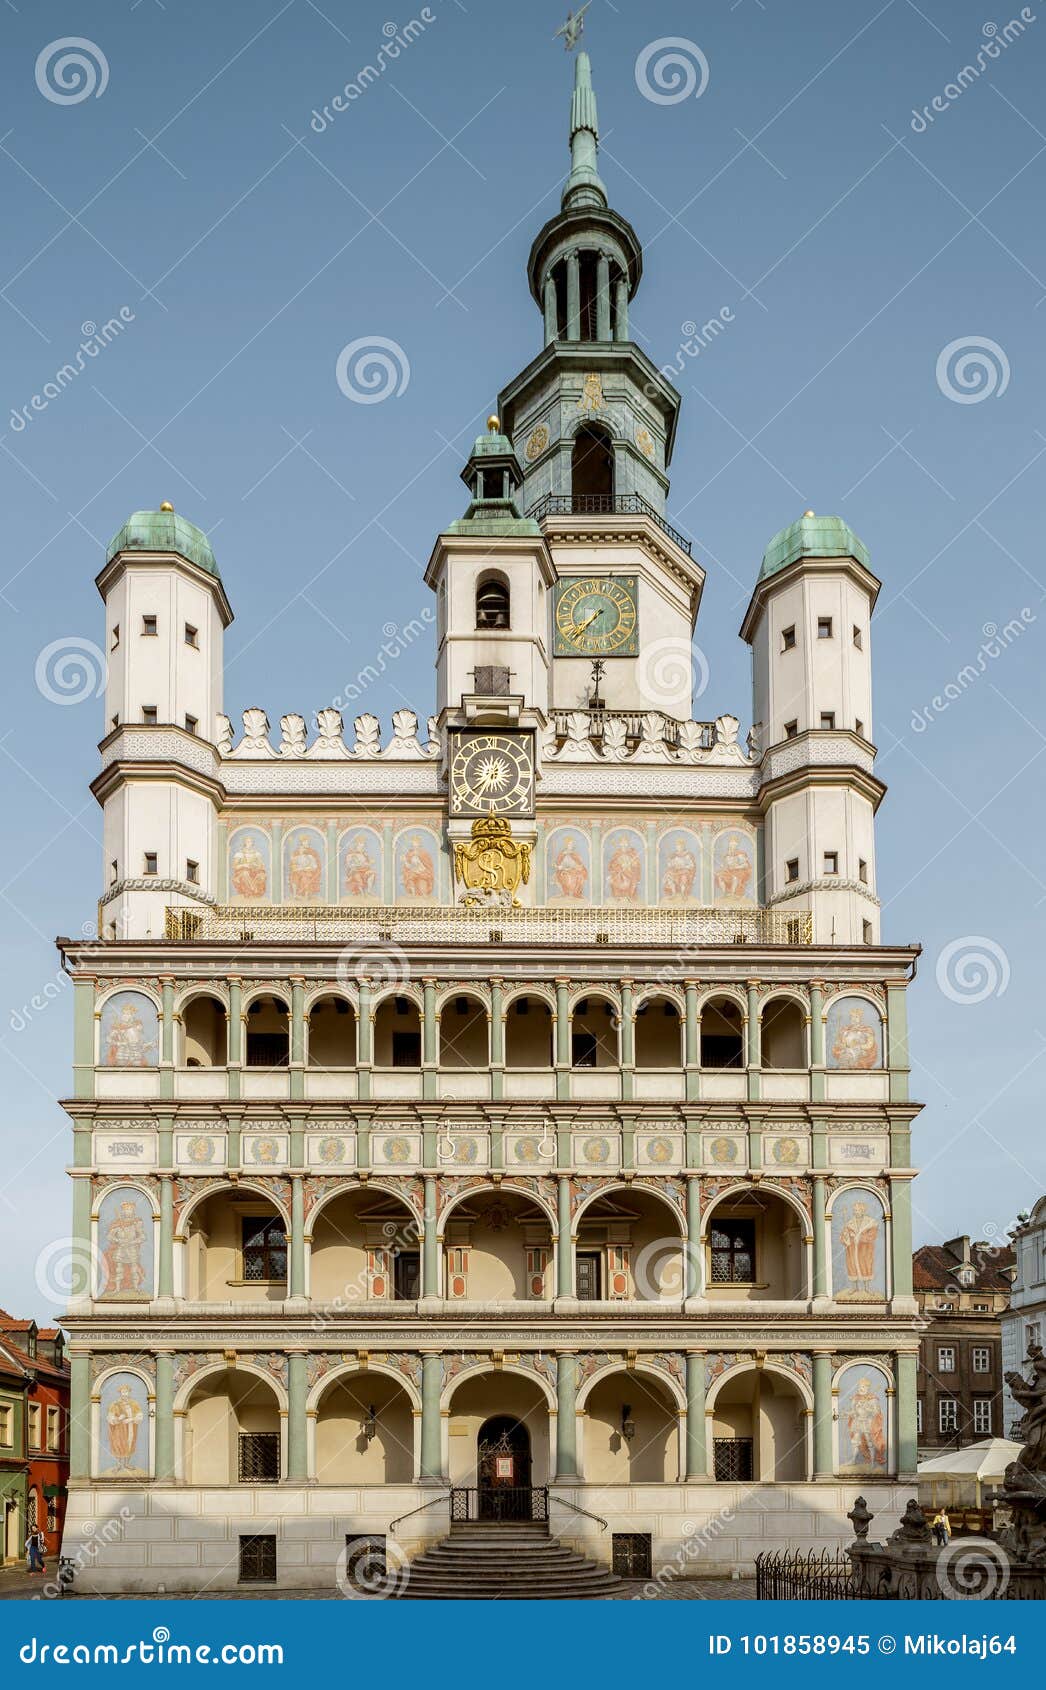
(492, 602)
(592, 465)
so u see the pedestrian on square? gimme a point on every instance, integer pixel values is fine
(942, 1529)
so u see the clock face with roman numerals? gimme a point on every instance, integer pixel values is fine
(596, 616)
(491, 774)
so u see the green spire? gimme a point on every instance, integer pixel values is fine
(583, 184)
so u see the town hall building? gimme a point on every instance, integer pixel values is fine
(502, 1115)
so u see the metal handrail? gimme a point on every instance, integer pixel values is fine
(566, 1503)
(398, 1521)
(605, 504)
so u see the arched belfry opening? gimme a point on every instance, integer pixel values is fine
(492, 602)
(592, 464)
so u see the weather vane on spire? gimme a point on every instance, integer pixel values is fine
(574, 28)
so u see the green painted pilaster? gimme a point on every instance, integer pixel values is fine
(431, 1440)
(820, 1233)
(430, 1244)
(823, 1410)
(364, 1042)
(82, 1236)
(693, 1243)
(817, 1084)
(296, 1284)
(297, 1441)
(897, 1058)
(907, 1443)
(297, 1038)
(79, 1417)
(167, 1038)
(696, 1445)
(83, 1038)
(692, 1025)
(566, 1416)
(628, 1024)
(754, 1041)
(901, 1234)
(564, 1243)
(165, 1269)
(164, 1416)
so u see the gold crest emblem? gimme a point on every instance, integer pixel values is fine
(492, 865)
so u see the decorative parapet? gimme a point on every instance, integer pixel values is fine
(256, 745)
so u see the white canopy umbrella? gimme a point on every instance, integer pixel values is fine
(970, 1468)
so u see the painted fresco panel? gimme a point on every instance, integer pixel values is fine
(863, 1420)
(250, 866)
(568, 867)
(125, 1244)
(130, 1032)
(123, 1428)
(359, 867)
(624, 867)
(853, 1035)
(858, 1246)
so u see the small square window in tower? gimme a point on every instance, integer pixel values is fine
(491, 680)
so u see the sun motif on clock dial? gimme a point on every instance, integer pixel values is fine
(596, 616)
(491, 774)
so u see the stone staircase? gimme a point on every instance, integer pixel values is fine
(506, 1561)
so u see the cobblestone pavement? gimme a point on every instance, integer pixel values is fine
(15, 1582)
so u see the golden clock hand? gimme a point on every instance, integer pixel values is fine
(579, 627)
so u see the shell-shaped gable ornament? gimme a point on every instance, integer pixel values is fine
(579, 747)
(368, 736)
(433, 745)
(223, 735)
(653, 747)
(404, 744)
(726, 748)
(329, 741)
(615, 740)
(691, 742)
(294, 742)
(255, 741)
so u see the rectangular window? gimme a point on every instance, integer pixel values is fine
(1031, 1334)
(365, 1561)
(862, 870)
(733, 1252)
(264, 1246)
(583, 1050)
(257, 1560)
(149, 715)
(945, 1358)
(919, 1414)
(267, 1050)
(858, 727)
(791, 730)
(866, 932)
(114, 872)
(947, 1414)
(36, 1428)
(150, 862)
(858, 638)
(116, 720)
(149, 627)
(191, 635)
(824, 627)
(981, 1358)
(630, 1554)
(406, 1049)
(191, 724)
(792, 868)
(7, 1425)
(827, 721)
(831, 862)
(406, 1276)
(115, 641)
(52, 1513)
(732, 1460)
(192, 871)
(53, 1429)
(982, 1415)
(788, 638)
(589, 1276)
(491, 680)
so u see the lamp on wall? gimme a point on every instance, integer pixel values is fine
(370, 1423)
(628, 1425)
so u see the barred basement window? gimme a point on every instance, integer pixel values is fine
(366, 1565)
(257, 1560)
(630, 1553)
(259, 1462)
(732, 1459)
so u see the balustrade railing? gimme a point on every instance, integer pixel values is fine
(498, 1502)
(605, 504)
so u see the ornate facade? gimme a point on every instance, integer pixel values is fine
(534, 1079)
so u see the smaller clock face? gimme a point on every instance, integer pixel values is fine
(492, 774)
(596, 616)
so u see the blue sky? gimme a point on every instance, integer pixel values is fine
(846, 244)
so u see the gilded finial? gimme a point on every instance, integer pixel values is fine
(493, 424)
(167, 506)
(809, 513)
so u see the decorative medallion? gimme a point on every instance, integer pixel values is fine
(200, 1150)
(591, 401)
(492, 865)
(660, 1150)
(724, 1150)
(784, 1150)
(331, 1149)
(644, 442)
(265, 1150)
(596, 1150)
(537, 443)
(397, 1149)
(528, 1150)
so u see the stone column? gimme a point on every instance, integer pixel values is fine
(164, 1415)
(364, 1041)
(551, 310)
(621, 324)
(430, 1244)
(907, 1455)
(692, 1026)
(79, 1416)
(296, 1283)
(565, 1242)
(297, 1439)
(820, 1276)
(693, 1242)
(167, 1039)
(429, 1038)
(628, 1033)
(603, 297)
(696, 1445)
(165, 1266)
(235, 1039)
(823, 1462)
(573, 297)
(817, 1085)
(566, 1416)
(431, 1440)
(297, 1037)
(755, 1056)
(562, 1039)
(497, 1039)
